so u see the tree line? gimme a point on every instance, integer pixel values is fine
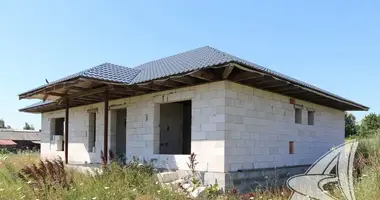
(27, 126)
(369, 125)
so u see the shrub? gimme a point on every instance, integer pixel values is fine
(46, 177)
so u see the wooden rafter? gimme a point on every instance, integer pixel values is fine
(279, 86)
(55, 94)
(151, 86)
(81, 89)
(185, 80)
(166, 83)
(244, 76)
(83, 94)
(286, 89)
(203, 75)
(265, 82)
(295, 92)
(227, 71)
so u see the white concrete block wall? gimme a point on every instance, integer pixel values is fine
(78, 134)
(208, 115)
(260, 124)
(233, 127)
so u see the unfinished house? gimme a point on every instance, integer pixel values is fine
(236, 116)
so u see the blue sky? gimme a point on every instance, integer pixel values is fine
(334, 45)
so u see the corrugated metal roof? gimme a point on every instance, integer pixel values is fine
(199, 58)
(106, 72)
(10, 134)
(41, 103)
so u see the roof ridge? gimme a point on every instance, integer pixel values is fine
(184, 52)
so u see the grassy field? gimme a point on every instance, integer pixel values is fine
(24, 176)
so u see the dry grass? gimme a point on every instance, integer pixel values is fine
(50, 180)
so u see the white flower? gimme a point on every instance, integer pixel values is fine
(158, 191)
(106, 188)
(93, 198)
(134, 189)
(251, 198)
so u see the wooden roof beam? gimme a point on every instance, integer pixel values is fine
(185, 80)
(227, 71)
(279, 86)
(242, 76)
(203, 75)
(167, 83)
(150, 86)
(83, 94)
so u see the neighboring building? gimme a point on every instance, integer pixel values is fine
(235, 115)
(19, 139)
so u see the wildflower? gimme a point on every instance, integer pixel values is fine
(134, 189)
(251, 198)
(29, 182)
(93, 198)
(106, 188)
(156, 182)
(158, 191)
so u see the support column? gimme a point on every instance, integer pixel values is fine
(67, 132)
(106, 125)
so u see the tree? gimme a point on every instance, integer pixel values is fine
(28, 127)
(350, 127)
(2, 123)
(370, 124)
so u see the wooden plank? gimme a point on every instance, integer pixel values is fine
(55, 94)
(67, 132)
(203, 75)
(290, 88)
(130, 89)
(242, 76)
(83, 94)
(295, 92)
(105, 126)
(80, 89)
(185, 80)
(265, 82)
(167, 83)
(227, 71)
(280, 86)
(151, 86)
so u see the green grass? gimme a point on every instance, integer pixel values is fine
(133, 182)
